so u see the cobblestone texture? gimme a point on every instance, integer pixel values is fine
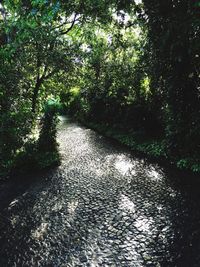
(101, 207)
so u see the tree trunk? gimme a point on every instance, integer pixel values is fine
(35, 94)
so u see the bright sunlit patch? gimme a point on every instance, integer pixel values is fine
(123, 165)
(40, 231)
(72, 206)
(159, 208)
(143, 224)
(62, 118)
(57, 207)
(138, 2)
(154, 174)
(13, 203)
(14, 221)
(126, 204)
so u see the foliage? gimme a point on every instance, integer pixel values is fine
(15, 118)
(148, 82)
(41, 153)
(37, 45)
(174, 46)
(47, 136)
(131, 65)
(152, 148)
(113, 83)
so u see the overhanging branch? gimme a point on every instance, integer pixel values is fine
(72, 25)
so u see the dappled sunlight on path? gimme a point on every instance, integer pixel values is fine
(101, 207)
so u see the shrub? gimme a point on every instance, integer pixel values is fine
(47, 147)
(47, 136)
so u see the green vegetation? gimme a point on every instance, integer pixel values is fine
(42, 152)
(152, 148)
(129, 67)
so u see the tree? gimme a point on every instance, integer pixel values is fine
(174, 44)
(37, 42)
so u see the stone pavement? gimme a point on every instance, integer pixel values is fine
(101, 207)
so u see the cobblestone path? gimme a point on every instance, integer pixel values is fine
(101, 207)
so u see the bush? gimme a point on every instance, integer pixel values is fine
(14, 130)
(41, 153)
(47, 147)
(47, 137)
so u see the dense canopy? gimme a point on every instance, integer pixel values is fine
(132, 67)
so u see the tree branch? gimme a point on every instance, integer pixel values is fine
(72, 25)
